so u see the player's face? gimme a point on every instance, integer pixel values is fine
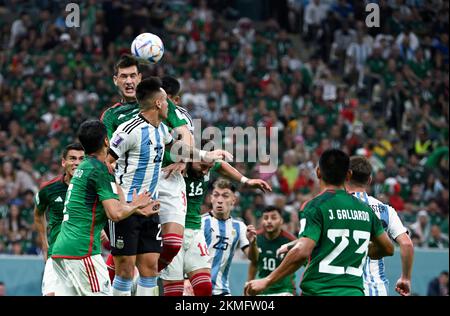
(222, 202)
(71, 162)
(162, 104)
(272, 221)
(200, 169)
(127, 80)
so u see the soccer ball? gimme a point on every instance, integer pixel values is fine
(148, 46)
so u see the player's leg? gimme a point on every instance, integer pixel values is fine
(172, 198)
(49, 279)
(63, 286)
(198, 263)
(124, 240)
(149, 248)
(173, 275)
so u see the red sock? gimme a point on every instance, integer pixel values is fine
(171, 245)
(201, 283)
(111, 267)
(174, 289)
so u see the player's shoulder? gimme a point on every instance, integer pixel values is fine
(207, 215)
(110, 110)
(287, 235)
(239, 222)
(51, 183)
(128, 127)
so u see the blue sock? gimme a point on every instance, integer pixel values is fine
(147, 282)
(122, 284)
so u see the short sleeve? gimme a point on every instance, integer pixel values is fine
(120, 143)
(173, 119)
(41, 201)
(105, 185)
(395, 227)
(168, 138)
(313, 223)
(243, 241)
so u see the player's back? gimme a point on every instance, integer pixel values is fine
(342, 227)
(375, 280)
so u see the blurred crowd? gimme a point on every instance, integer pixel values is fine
(313, 69)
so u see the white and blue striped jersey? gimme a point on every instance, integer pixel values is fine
(375, 281)
(138, 147)
(223, 237)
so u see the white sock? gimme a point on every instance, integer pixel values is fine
(147, 291)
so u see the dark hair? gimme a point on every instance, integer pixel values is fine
(171, 85)
(126, 61)
(272, 208)
(147, 88)
(91, 134)
(73, 146)
(334, 164)
(222, 183)
(361, 170)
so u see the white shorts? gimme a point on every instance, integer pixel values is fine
(82, 277)
(172, 199)
(49, 278)
(190, 257)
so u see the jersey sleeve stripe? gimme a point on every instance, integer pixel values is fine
(47, 183)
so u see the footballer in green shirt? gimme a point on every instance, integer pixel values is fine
(340, 231)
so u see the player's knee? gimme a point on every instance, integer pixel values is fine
(201, 283)
(124, 267)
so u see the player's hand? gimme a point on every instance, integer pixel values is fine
(282, 250)
(150, 209)
(259, 184)
(104, 237)
(174, 168)
(255, 287)
(142, 200)
(110, 166)
(218, 154)
(251, 233)
(403, 287)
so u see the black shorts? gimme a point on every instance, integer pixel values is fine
(135, 235)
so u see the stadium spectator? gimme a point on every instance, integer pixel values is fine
(439, 285)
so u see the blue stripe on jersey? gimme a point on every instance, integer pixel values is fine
(144, 157)
(230, 258)
(384, 215)
(163, 129)
(366, 198)
(157, 167)
(207, 231)
(382, 275)
(215, 267)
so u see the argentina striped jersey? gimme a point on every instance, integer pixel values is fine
(138, 147)
(375, 281)
(223, 237)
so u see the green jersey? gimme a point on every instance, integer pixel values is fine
(84, 215)
(175, 118)
(117, 114)
(196, 190)
(269, 261)
(50, 200)
(342, 226)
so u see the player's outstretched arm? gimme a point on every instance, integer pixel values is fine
(141, 204)
(403, 285)
(291, 263)
(41, 226)
(232, 173)
(381, 246)
(187, 152)
(186, 135)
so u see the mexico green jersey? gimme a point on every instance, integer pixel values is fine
(84, 215)
(50, 200)
(174, 119)
(196, 190)
(342, 226)
(269, 261)
(117, 114)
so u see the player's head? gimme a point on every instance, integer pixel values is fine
(334, 167)
(151, 96)
(127, 76)
(223, 198)
(361, 171)
(201, 168)
(272, 219)
(93, 137)
(72, 156)
(172, 87)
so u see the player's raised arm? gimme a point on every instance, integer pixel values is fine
(187, 152)
(230, 172)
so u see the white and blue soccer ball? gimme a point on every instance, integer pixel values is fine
(148, 46)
